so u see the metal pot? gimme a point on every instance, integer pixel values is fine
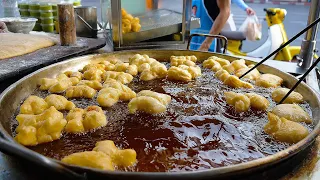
(11, 98)
(86, 21)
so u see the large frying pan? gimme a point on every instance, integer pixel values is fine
(11, 98)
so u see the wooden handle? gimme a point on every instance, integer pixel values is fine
(67, 26)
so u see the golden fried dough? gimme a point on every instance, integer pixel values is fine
(239, 101)
(90, 159)
(109, 96)
(235, 65)
(80, 91)
(253, 75)
(33, 105)
(269, 81)
(149, 102)
(184, 73)
(42, 128)
(292, 112)
(284, 130)
(119, 157)
(122, 77)
(157, 70)
(293, 98)
(59, 102)
(231, 80)
(80, 120)
(257, 101)
(126, 93)
(93, 84)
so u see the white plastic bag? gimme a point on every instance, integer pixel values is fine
(252, 28)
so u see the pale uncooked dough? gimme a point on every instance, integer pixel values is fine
(14, 44)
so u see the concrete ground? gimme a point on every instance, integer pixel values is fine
(295, 21)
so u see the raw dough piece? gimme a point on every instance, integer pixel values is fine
(294, 97)
(284, 130)
(292, 112)
(14, 44)
(269, 81)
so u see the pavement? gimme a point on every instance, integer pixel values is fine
(295, 21)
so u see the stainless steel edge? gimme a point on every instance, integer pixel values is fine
(26, 85)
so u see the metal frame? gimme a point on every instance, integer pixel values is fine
(117, 28)
(220, 37)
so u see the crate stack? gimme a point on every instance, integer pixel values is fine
(34, 11)
(47, 16)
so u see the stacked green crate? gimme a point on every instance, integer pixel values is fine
(34, 10)
(24, 9)
(55, 17)
(46, 16)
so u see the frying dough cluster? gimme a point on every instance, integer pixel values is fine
(35, 105)
(81, 91)
(149, 102)
(129, 23)
(253, 75)
(292, 112)
(93, 72)
(122, 77)
(184, 73)
(112, 92)
(232, 80)
(149, 68)
(93, 84)
(293, 98)
(59, 84)
(81, 120)
(105, 156)
(284, 130)
(127, 68)
(41, 128)
(183, 60)
(269, 81)
(242, 102)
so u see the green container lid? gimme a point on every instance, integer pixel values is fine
(46, 15)
(77, 3)
(37, 27)
(34, 6)
(47, 27)
(23, 6)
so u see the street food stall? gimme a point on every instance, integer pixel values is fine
(161, 112)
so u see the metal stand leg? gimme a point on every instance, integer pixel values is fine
(308, 45)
